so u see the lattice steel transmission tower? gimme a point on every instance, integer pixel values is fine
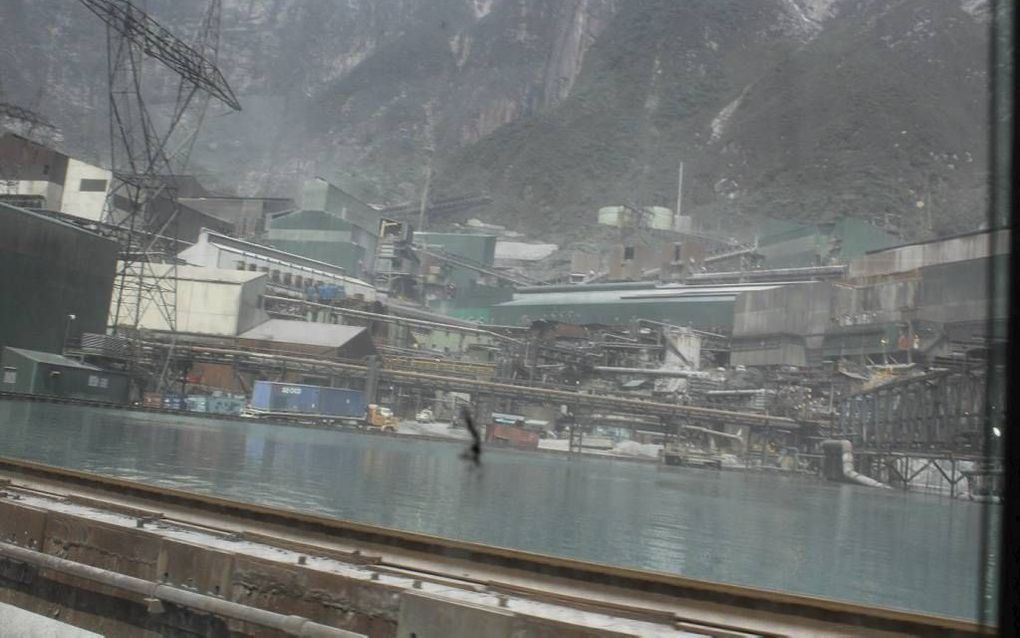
(142, 201)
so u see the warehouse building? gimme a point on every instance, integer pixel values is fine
(247, 214)
(709, 308)
(332, 226)
(208, 301)
(57, 280)
(44, 373)
(899, 303)
(321, 340)
(288, 273)
(36, 176)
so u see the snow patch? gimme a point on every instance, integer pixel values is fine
(808, 15)
(482, 8)
(521, 251)
(976, 8)
(719, 121)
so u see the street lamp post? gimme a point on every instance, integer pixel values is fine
(67, 330)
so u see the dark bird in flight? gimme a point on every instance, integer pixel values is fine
(474, 452)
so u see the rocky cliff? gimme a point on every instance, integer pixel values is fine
(809, 109)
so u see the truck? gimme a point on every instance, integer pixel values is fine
(379, 417)
(318, 405)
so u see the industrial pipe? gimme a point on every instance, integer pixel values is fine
(374, 316)
(464, 384)
(653, 372)
(289, 625)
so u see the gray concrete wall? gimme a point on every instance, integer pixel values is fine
(799, 309)
(915, 256)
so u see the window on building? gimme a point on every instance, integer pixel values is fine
(241, 265)
(254, 267)
(288, 279)
(275, 276)
(10, 375)
(92, 186)
(298, 281)
(628, 253)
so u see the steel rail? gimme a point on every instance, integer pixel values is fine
(439, 549)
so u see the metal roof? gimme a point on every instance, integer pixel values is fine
(326, 335)
(51, 358)
(670, 293)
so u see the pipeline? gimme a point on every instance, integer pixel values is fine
(462, 384)
(152, 591)
(374, 316)
(839, 464)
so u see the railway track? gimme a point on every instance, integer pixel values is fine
(676, 601)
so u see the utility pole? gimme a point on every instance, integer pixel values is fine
(679, 196)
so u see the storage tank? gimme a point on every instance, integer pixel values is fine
(659, 217)
(612, 215)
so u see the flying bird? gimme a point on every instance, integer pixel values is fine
(474, 452)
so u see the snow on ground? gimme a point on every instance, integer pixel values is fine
(523, 251)
(624, 448)
(437, 428)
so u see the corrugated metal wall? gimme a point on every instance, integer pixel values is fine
(49, 270)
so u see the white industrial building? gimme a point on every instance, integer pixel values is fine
(286, 271)
(209, 301)
(35, 176)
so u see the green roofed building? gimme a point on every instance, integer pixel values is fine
(331, 226)
(790, 245)
(45, 373)
(702, 307)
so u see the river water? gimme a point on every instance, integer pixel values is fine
(880, 547)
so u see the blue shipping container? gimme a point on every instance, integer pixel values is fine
(294, 398)
(327, 293)
(342, 402)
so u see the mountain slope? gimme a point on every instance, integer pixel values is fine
(810, 109)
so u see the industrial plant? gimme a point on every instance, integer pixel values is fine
(839, 354)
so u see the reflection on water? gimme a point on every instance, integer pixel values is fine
(841, 541)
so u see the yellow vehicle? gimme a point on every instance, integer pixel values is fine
(379, 417)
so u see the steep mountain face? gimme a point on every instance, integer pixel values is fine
(789, 108)
(873, 109)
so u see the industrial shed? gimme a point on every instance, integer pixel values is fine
(702, 307)
(211, 301)
(303, 338)
(44, 373)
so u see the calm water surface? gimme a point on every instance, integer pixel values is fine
(881, 547)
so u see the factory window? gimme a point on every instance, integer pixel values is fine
(92, 186)
(628, 253)
(275, 276)
(10, 375)
(298, 281)
(288, 279)
(241, 265)
(254, 267)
